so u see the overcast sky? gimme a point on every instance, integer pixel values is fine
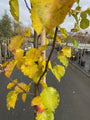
(25, 16)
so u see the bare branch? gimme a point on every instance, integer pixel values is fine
(53, 46)
(27, 5)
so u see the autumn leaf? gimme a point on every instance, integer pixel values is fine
(66, 51)
(63, 59)
(15, 43)
(21, 87)
(18, 54)
(46, 115)
(51, 13)
(11, 84)
(36, 101)
(59, 41)
(14, 9)
(36, 23)
(24, 97)
(11, 99)
(58, 71)
(9, 68)
(28, 33)
(50, 98)
(44, 47)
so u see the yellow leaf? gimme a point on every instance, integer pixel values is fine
(58, 71)
(66, 51)
(11, 85)
(46, 41)
(44, 85)
(36, 101)
(16, 43)
(21, 87)
(51, 12)
(59, 40)
(18, 54)
(33, 53)
(5, 63)
(28, 33)
(24, 97)
(11, 99)
(36, 23)
(44, 47)
(9, 68)
(14, 9)
(50, 66)
(63, 59)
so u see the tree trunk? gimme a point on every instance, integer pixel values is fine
(43, 52)
(0, 54)
(36, 87)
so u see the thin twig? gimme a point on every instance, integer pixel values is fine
(27, 5)
(17, 84)
(49, 55)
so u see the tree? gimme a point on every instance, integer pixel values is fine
(5, 26)
(48, 15)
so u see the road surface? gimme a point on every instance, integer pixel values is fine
(74, 90)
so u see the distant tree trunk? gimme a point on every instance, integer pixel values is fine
(0, 54)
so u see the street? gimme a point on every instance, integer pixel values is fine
(74, 90)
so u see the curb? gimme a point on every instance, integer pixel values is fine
(79, 69)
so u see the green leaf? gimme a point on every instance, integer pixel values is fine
(64, 33)
(75, 17)
(50, 98)
(14, 9)
(83, 15)
(75, 43)
(63, 59)
(77, 1)
(88, 11)
(84, 23)
(11, 99)
(46, 115)
(58, 71)
(51, 13)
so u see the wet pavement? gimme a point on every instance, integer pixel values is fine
(74, 90)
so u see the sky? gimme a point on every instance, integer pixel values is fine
(25, 15)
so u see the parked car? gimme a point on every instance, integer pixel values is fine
(27, 47)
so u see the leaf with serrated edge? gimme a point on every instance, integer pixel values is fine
(50, 98)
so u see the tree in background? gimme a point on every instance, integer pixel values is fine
(5, 26)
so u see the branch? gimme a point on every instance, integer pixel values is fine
(27, 5)
(20, 86)
(53, 46)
